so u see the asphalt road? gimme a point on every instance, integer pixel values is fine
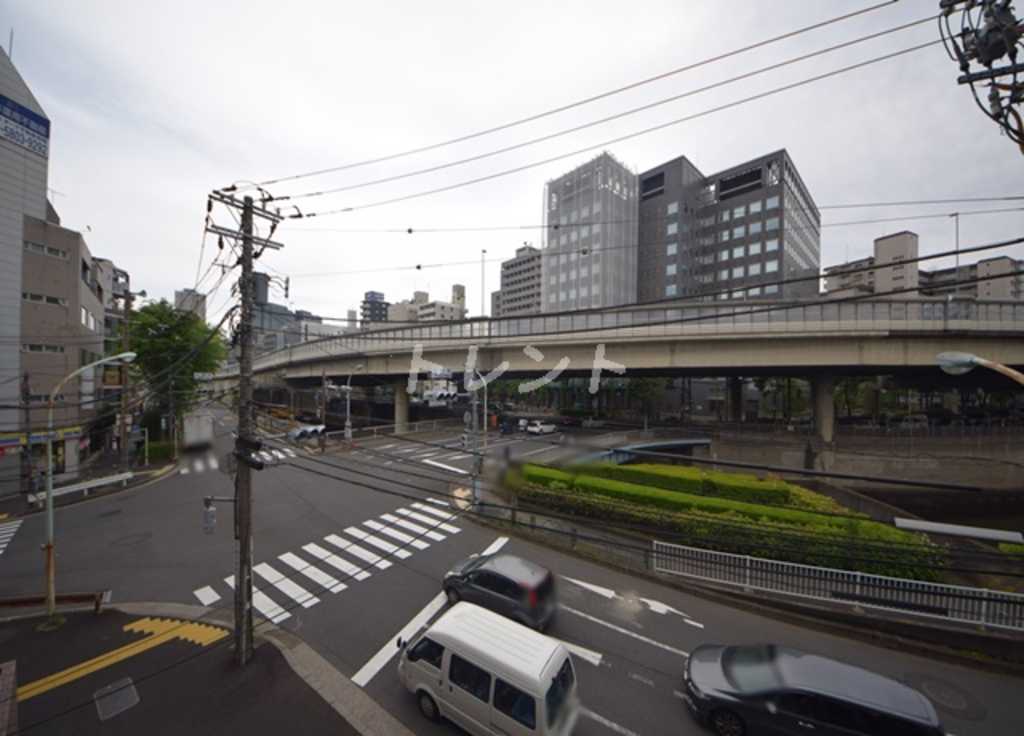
(317, 521)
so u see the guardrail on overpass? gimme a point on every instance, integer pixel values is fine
(754, 318)
(958, 604)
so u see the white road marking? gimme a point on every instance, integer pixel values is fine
(640, 678)
(537, 452)
(206, 595)
(289, 452)
(433, 511)
(183, 470)
(380, 544)
(583, 653)
(278, 454)
(356, 551)
(7, 532)
(287, 586)
(377, 662)
(389, 462)
(315, 574)
(265, 605)
(401, 537)
(682, 697)
(626, 632)
(416, 528)
(341, 564)
(408, 449)
(611, 725)
(690, 621)
(496, 545)
(212, 461)
(433, 523)
(453, 456)
(603, 592)
(449, 468)
(197, 465)
(438, 502)
(424, 455)
(385, 447)
(664, 608)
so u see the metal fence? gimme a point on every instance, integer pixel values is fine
(381, 430)
(976, 606)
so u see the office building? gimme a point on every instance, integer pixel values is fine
(943, 282)
(407, 310)
(520, 291)
(728, 233)
(373, 308)
(439, 311)
(590, 257)
(190, 300)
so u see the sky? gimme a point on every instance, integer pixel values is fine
(153, 105)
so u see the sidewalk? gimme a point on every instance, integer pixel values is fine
(130, 671)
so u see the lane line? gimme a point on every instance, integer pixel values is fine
(439, 502)
(286, 585)
(356, 551)
(377, 662)
(344, 565)
(434, 511)
(537, 452)
(212, 462)
(263, 603)
(386, 447)
(183, 470)
(197, 465)
(603, 592)
(415, 528)
(611, 725)
(206, 595)
(640, 678)
(583, 653)
(449, 468)
(402, 554)
(496, 545)
(401, 537)
(315, 574)
(621, 630)
(432, 523)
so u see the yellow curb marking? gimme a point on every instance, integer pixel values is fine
(159, 631)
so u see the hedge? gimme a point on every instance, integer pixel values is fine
(872, 548)
(160, 451)
(1012, 548)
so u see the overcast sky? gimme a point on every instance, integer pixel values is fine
(155, 104)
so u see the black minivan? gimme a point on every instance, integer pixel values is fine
(777, 691)
(516, 588)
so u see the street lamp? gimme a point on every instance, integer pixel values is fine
(51, 592)
(957, 364)
(348, 401)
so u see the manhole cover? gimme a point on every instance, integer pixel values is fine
(948, 696)
(116, 698)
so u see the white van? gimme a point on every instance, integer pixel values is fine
(490, 675)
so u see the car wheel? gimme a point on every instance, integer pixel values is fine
(428, 707)
(727, 723)
(453, 596)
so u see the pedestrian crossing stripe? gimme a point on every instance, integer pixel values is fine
(7, 532)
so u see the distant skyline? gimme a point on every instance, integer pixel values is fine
(153, 106)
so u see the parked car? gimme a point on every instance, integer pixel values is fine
(490, 675)
(305, 431)
(768, 689)
(540, 426)
(523, 424)
(517, 588)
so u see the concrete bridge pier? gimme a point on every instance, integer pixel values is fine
(823, 405)
(734, 393)
(401, 408)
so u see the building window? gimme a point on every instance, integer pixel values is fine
(671, 290)
(755, 207)
(755, 228)
(771, 266)
(739, 211)
(754, 249)
(585, 212)
(671, 249)
(723, 275)
(772, 203)
(723, 236)
(672, 228)
(85, 317)
(670, 269)
(739, 231)
(738, 294)
(723, 255)
(552, 279)
(673, 208)
(754, 269)
(771, 289)
(723, 216)
(584, 291)
(756, 291)
(737, 272)
(770, 246)
(737, 252)
(772, 223)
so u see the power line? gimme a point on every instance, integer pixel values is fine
(606, 119)
(618, 139)
(577, 103)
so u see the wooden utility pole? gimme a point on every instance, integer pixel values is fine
(124, 428)
(323, 410)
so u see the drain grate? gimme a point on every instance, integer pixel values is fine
(115, 698)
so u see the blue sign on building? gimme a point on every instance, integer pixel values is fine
(23, 127)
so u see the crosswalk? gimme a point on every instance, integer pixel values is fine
(7, 532)
(209, 462)
(320, 568)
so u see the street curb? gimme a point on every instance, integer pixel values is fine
(97, 495)
(347, 699)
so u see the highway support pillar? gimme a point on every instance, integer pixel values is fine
(401, 408)
(823, 387)
(735, 397)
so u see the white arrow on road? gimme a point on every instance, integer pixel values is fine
(653, 605)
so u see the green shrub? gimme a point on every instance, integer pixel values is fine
(698, 481)
(160, 452)
(1011, 548)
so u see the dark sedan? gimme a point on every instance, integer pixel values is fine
(517, 588)
(777, 691)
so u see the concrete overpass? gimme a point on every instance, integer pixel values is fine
(819, 341)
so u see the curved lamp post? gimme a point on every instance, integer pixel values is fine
(51, 588)
(957, 364)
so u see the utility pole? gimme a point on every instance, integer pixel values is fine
(124, 383)
(26, 452)
(322, 434)
(172, 422)
(247, 442)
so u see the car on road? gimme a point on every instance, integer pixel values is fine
(539, 426)
(490, 675)
(516, 588)
(306, 431)
(778, 691)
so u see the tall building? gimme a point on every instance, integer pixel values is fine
(438, 311)
(727, 233)
(590, 257)
(520, 291)
(190, 300)
(373, 308)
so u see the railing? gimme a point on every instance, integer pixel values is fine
(963, 605)
(425, 425)
(84, 487)
(764, 318)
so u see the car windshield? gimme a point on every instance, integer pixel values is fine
(751, 669)
(561, 687)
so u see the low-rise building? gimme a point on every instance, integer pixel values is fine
(190, 300)
(438, 311)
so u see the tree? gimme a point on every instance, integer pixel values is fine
(173, 345)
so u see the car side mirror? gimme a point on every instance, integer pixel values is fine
(399, 643)
(771, 707)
